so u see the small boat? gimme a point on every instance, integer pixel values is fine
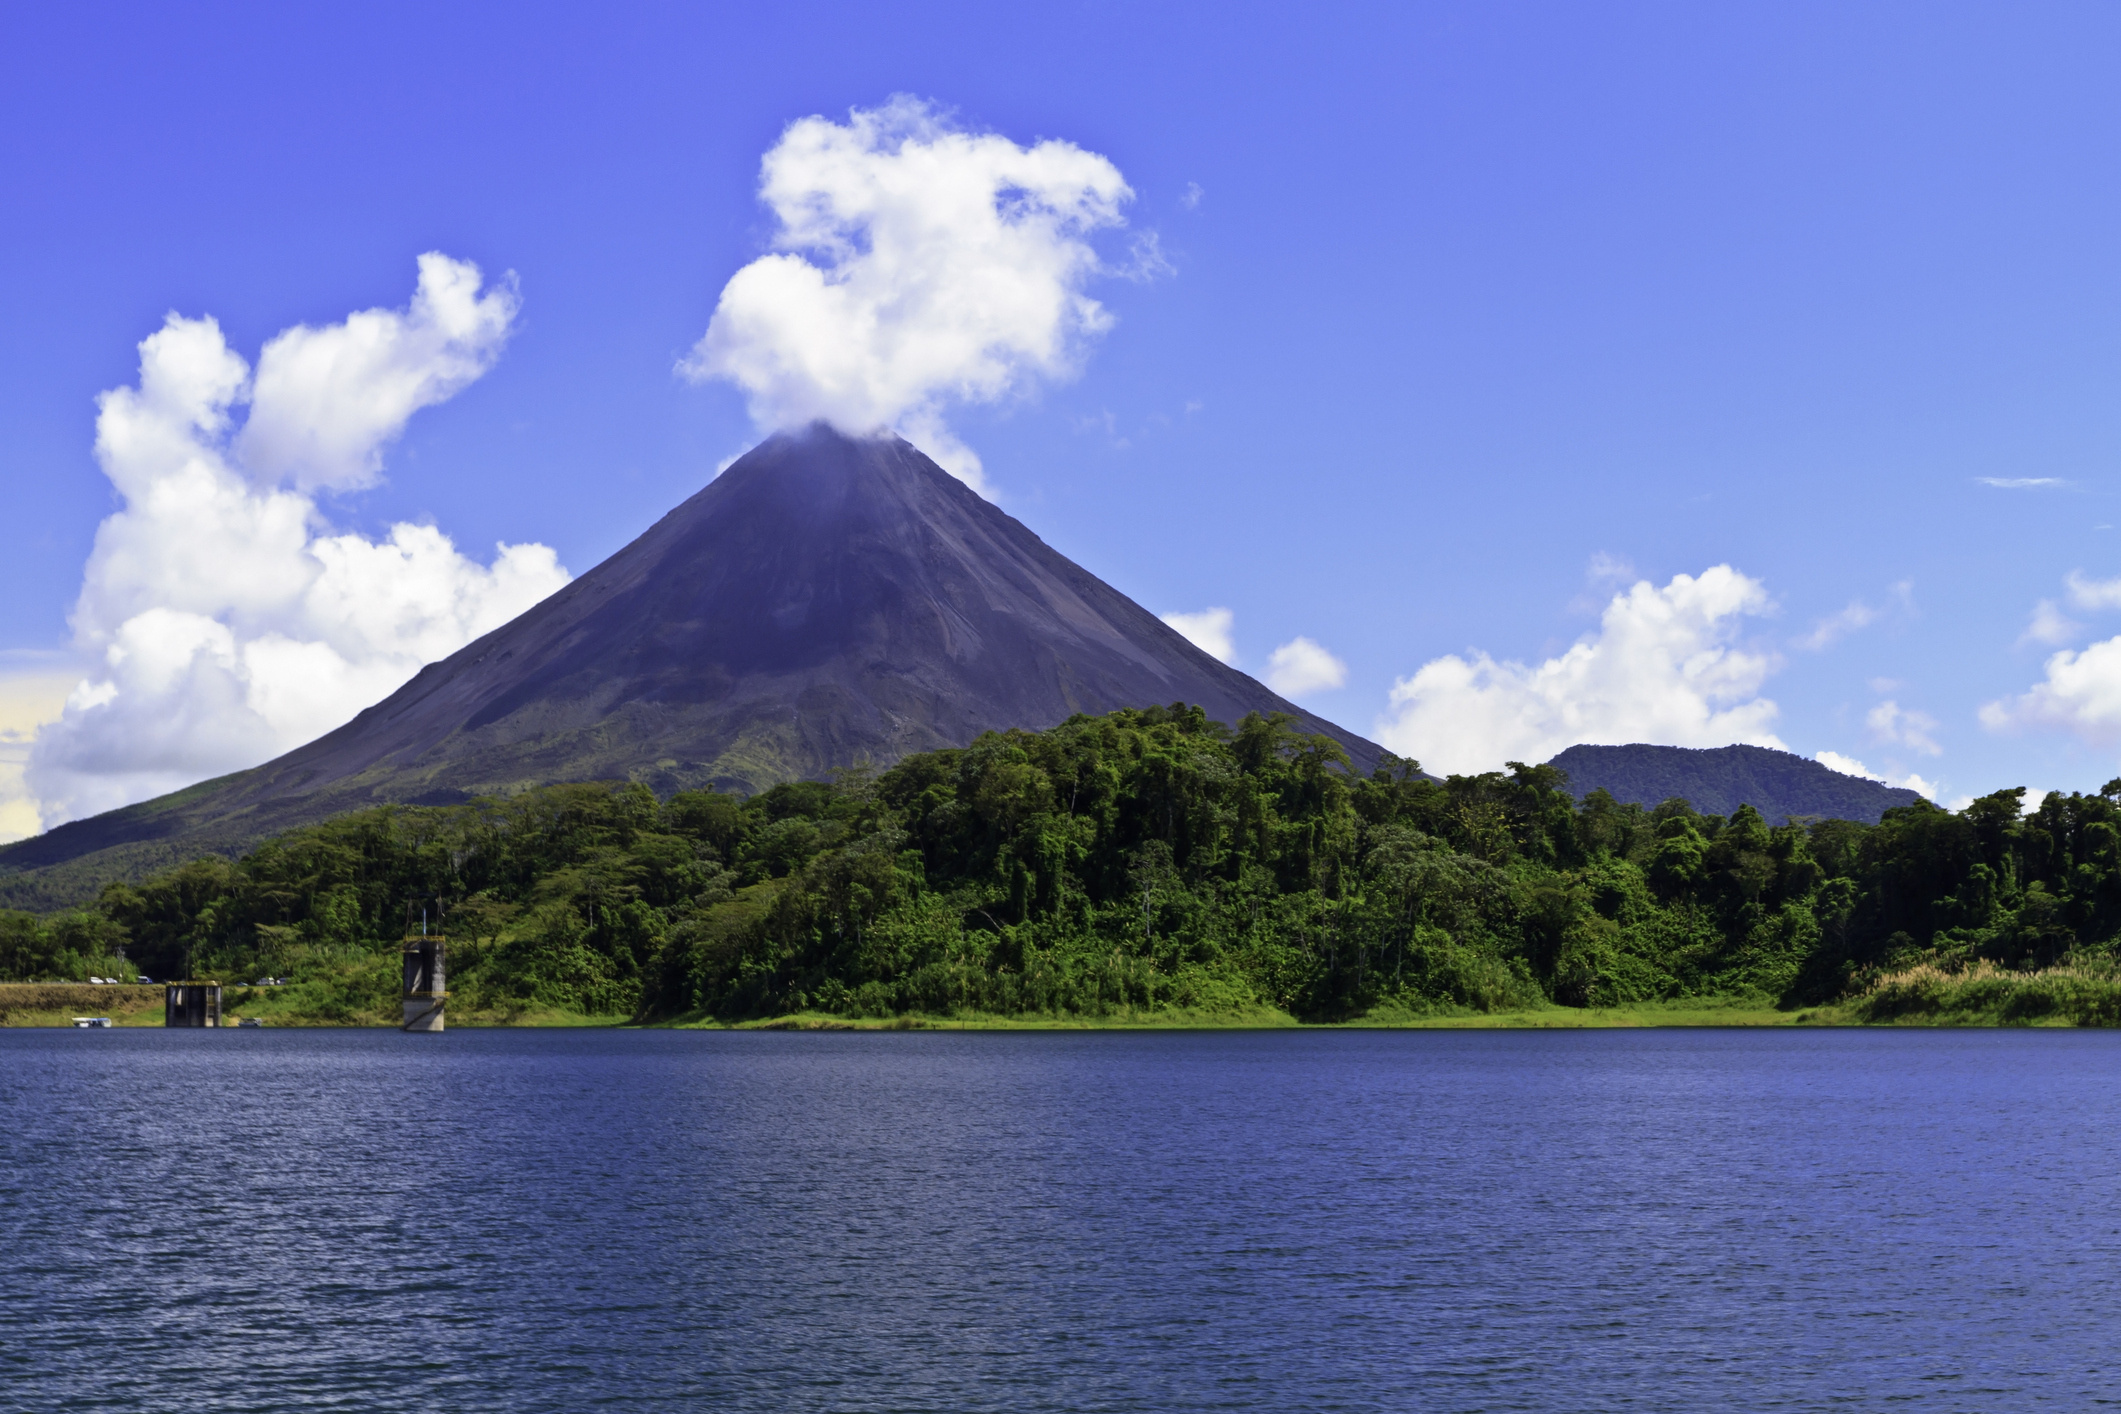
(88, 1023)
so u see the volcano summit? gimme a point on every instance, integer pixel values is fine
(826, 601)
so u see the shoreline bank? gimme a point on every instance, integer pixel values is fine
(1922, 999)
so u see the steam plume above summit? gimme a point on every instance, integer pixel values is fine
(916, 265)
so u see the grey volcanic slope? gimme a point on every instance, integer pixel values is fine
(825, 601)
(1718, 780)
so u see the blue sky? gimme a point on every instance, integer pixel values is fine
(1474, 315)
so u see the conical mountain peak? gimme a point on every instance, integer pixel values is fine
(826, 600)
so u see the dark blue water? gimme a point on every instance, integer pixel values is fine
(277, 1220)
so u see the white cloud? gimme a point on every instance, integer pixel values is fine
(2049, 626)
(325, 402)
(2092, 595)
(1858, 615)
(2021, 483)
(2081, 694)
(1836, 627)
(1664, 666)
(1190, 197)
(226, 623)
(1900, 726)
(916, 265)
(2027, 803)
(1846, 765)
(1602, 574)
(1145, 260)
(1850, 766)
(1300, 667)
(33, 692)
(1209, 631)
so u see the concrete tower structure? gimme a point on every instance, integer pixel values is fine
(425, 975)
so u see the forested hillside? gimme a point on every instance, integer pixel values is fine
(1144, 859)
(1717, 780)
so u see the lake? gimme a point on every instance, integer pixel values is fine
(574, 1220)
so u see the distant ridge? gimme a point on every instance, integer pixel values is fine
(826, 601)
(1717, 780)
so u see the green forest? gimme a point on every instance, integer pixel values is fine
(1142, 862)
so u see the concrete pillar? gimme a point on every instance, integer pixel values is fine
(191, 1003)
(425, 986)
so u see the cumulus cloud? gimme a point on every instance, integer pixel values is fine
(1900, 726)
(226, 621)
(1664, 666)
(1850, 766)
(1846, 765)
(916, 265)
(2080, 694)
(1209, 631)
(325, 402)
(33, 691)
(1301, 667)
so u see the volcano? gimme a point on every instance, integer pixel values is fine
(826, 601)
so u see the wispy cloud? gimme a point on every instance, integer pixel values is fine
(1603, 574)
(2092, 595)
(1858, 615)
(2020, 483)
(1903, 726)
(1835, 627)
(2049, 626)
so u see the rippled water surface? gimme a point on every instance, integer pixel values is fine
(278, 1220)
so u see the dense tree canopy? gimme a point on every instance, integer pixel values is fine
(1143, 859)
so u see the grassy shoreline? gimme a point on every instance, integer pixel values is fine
(1924, 996)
